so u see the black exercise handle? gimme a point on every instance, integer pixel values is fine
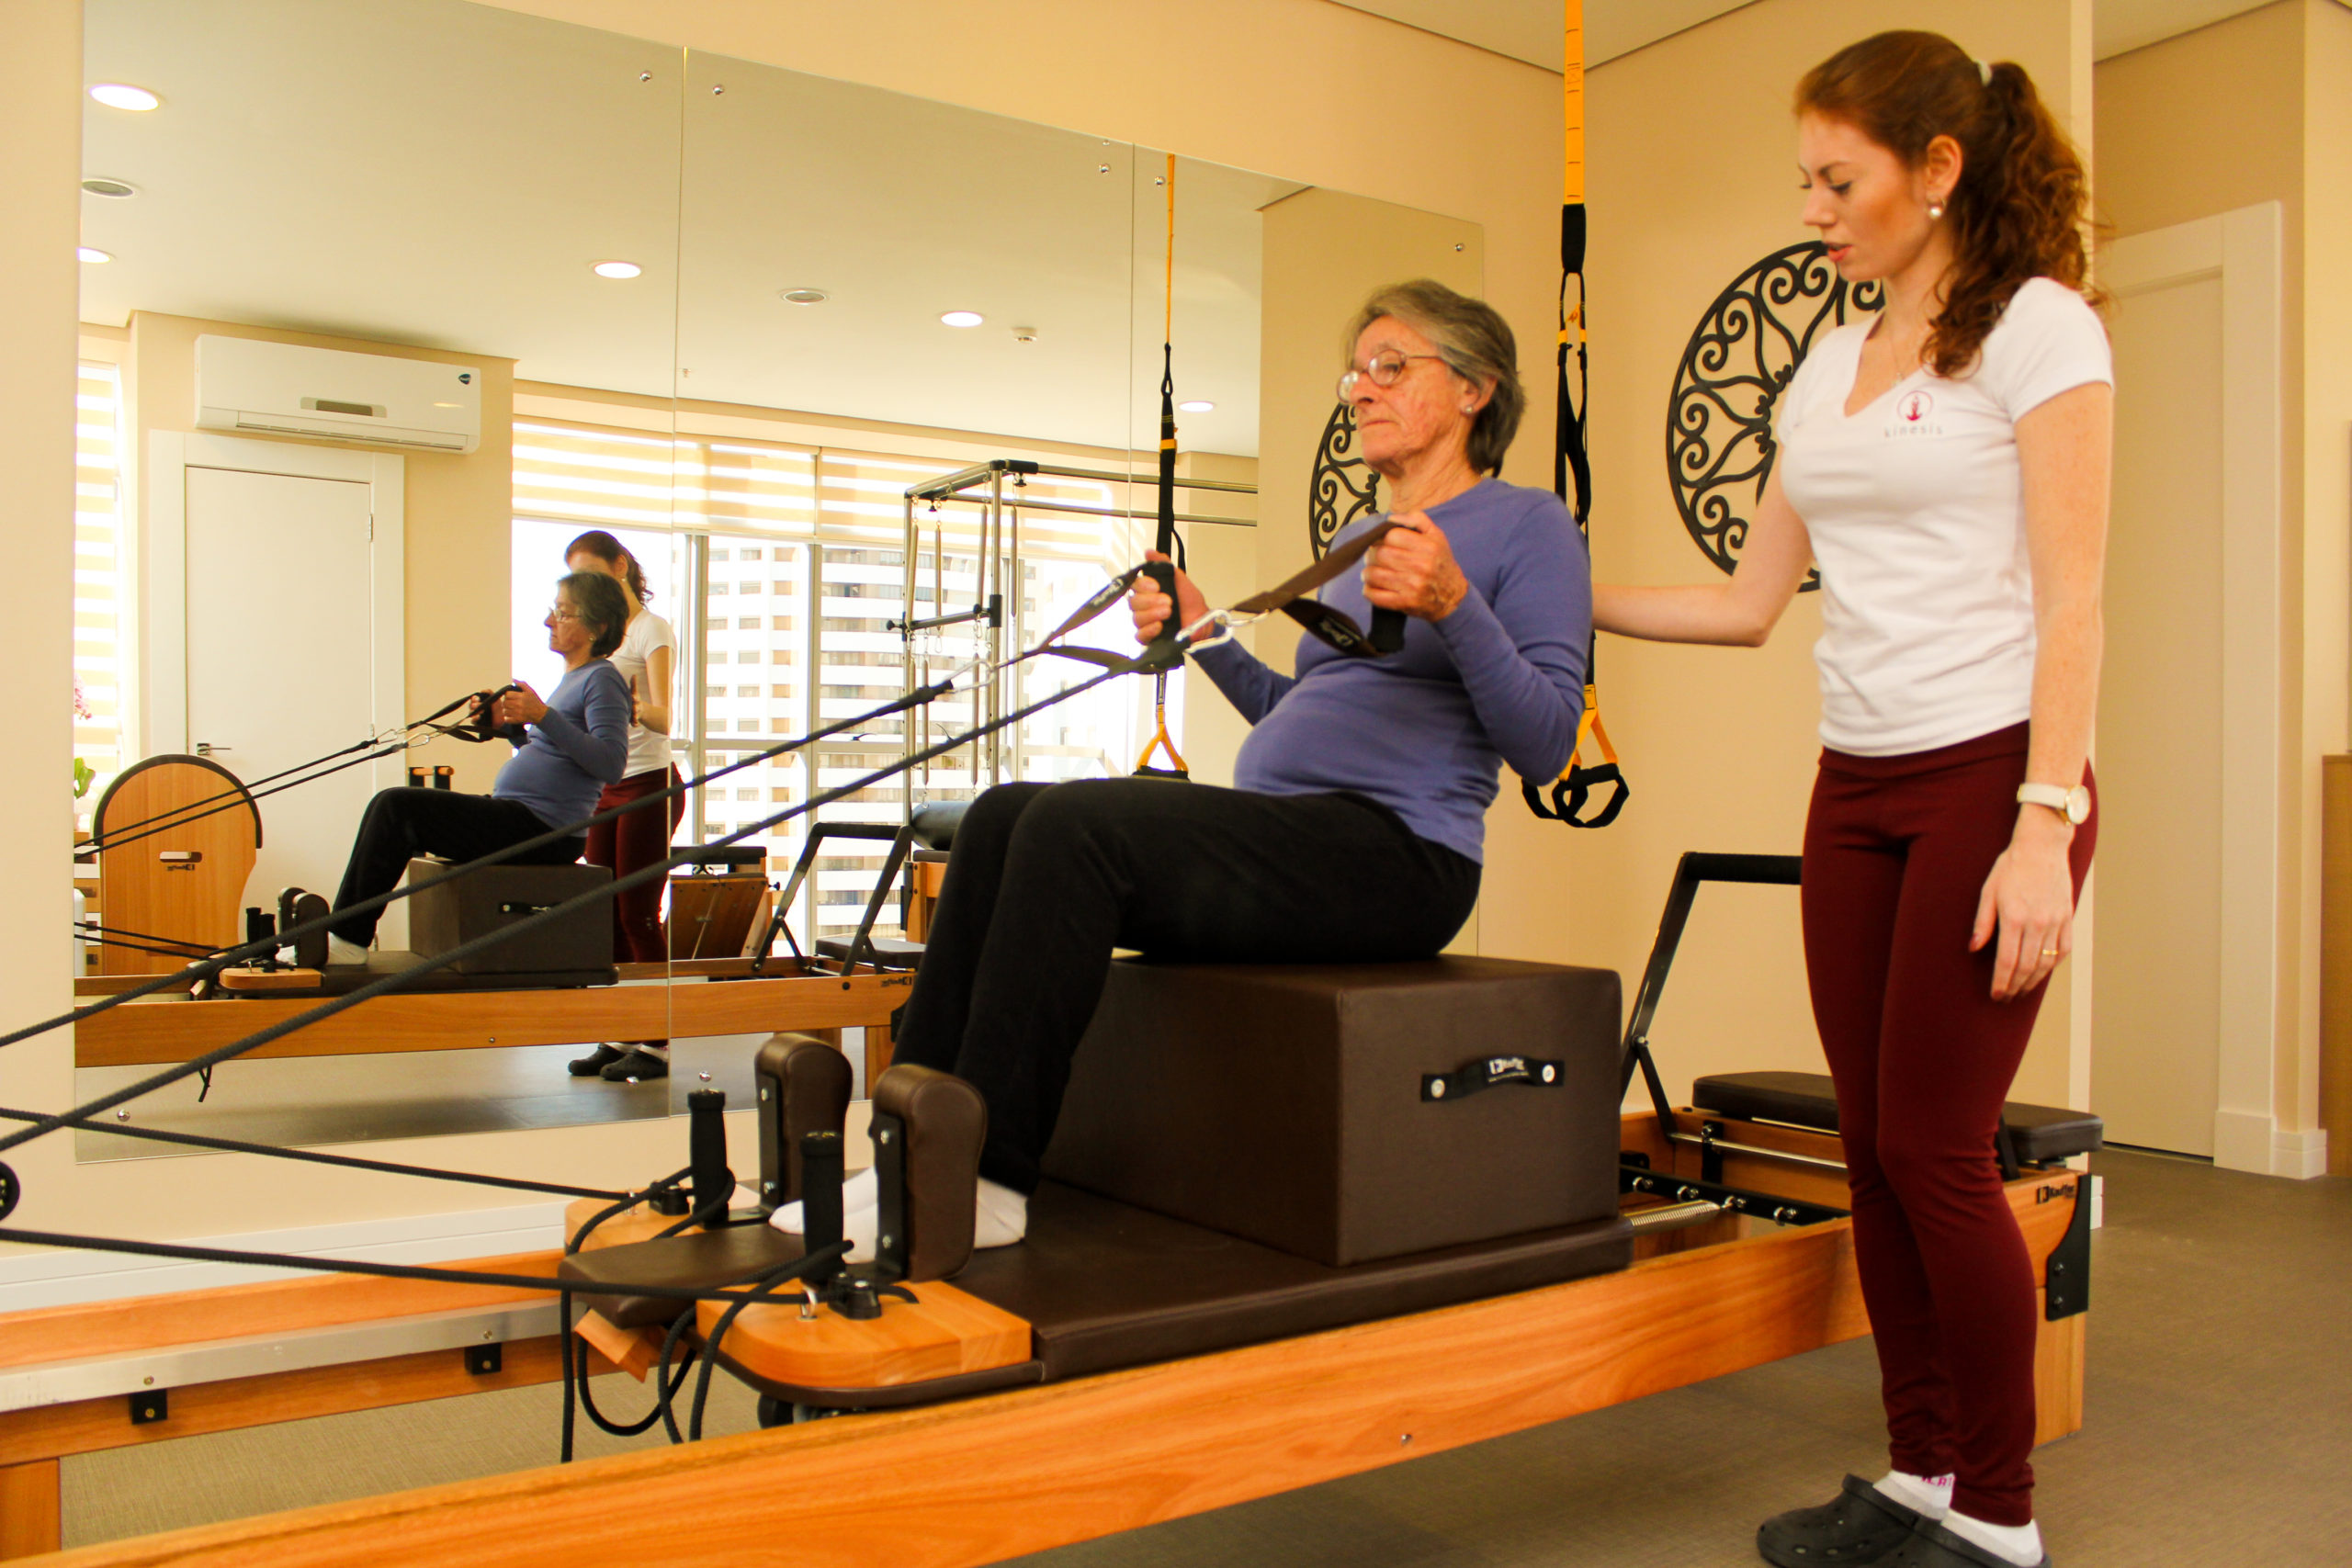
(1387, 631)
(820, 1197)
(482, 726)
(1163, 577)
(714, 1184)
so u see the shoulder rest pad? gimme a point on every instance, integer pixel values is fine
(2040, 1132)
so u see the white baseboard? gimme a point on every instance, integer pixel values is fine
(2299, 1156)
(59, 1278)
(2241, 1140)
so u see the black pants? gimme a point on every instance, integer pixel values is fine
(1045, 880)
(402, 823)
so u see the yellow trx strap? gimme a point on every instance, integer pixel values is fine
(1572, 470)
(1166, 544)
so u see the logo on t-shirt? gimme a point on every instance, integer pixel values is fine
(1914, 415)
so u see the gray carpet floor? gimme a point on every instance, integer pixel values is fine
(2219, 1432)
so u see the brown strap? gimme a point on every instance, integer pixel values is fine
(1333, 563)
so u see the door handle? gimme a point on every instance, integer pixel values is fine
(205, 748)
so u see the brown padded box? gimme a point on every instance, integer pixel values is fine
(1284, 1103)
(457, 912)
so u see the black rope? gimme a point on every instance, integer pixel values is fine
(661, 868)
(665, 1389)
(313, 1156)
(248, 787)
(236, 955)
(546, 1283)
(231, 800)
(766, 1289)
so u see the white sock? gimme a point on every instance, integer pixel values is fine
(2021, 1544)
(1003, 1216)
(344, 954)
(661, 1051)
(862, 1192)
(1000, 1216)
(1928, 1494)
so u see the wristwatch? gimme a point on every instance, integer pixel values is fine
(2073, 804)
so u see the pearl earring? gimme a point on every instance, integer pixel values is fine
(1934, 211)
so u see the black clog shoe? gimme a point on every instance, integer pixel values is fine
(1863, 1525)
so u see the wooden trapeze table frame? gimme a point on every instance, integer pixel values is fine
(694, 996)
(1008, 1473)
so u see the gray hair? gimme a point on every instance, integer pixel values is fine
(1476, 345)
(602, 608)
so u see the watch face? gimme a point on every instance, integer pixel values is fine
(2078, 805)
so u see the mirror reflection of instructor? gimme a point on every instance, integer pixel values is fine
(567, 749)
(646, 658)
(1947, 465)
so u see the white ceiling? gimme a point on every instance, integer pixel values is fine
(438, 173)
(1531, 30)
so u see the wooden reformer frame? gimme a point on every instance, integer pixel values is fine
(1016, 1471)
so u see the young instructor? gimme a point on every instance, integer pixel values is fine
(1946, 465)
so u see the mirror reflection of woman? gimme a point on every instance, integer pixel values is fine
(568, 746)
(1947, 465)
(646, 658)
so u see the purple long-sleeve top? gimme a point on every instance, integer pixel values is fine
(563, 762)
(1425, 730)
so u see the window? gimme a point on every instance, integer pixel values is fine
(101, 676)
(815, 539)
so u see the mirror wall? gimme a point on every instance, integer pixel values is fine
(748, 410)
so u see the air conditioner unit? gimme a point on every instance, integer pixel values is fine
(283, 388)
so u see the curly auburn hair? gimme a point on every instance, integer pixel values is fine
(2019, 210)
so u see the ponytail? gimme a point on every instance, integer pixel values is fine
(2019, 210)
(612, 552)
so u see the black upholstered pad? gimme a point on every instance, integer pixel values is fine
(1106, 1285)
(701, 1262)
(2038, 1132)
(339, 981)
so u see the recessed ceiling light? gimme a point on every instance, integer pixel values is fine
(92, 254)
(109, 187)
(617, 269)
(123, 96)
(1196, 406)
(962, 318)
(803, 296)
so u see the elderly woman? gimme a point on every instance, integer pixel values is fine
(567, 749)
(1355, 832)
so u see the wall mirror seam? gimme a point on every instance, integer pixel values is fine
(387, 303)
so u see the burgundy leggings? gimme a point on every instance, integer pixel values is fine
(630, 844)
(1896, 851)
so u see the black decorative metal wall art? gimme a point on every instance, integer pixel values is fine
(1343, 489)
(1719, 442)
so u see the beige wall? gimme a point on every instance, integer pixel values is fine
(459, 513)
(40, 118)
(2326, 664)
(1692, 179)
(2256, 108)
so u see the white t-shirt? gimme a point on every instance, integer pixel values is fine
(649, 750)
(1918, 524)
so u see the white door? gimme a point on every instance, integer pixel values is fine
(280, 657)
(2155, 1005)
(2185, 1004)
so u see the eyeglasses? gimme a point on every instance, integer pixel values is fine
(559, 612)
(1384, 370)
